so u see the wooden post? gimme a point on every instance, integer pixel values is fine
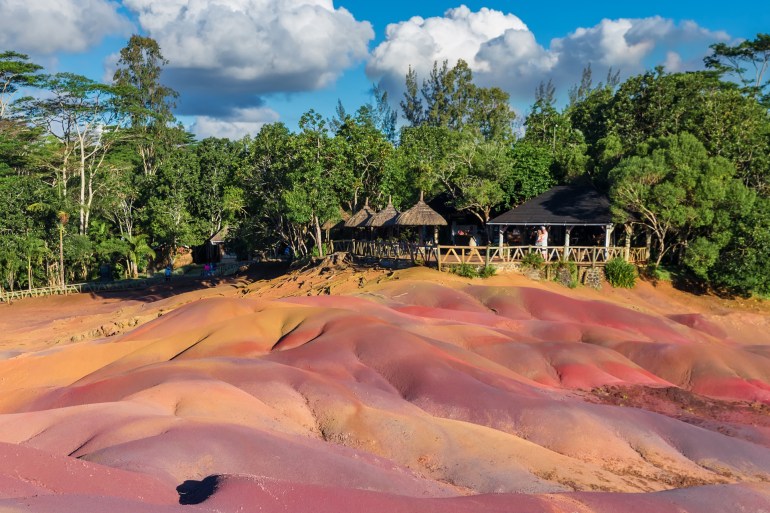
(567, 230)
(438, 257)
(647, 244)
(629, 232)
(607, 234)
(500, 240)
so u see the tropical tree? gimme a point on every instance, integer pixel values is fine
(81, 116)
(747, 61)
(146, 101)
(365, 152)
(678, 192)
(16, 72)
(220, 198)
(317, 179)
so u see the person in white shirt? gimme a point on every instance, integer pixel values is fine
(542, 241)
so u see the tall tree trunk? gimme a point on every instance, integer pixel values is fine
(318, 237)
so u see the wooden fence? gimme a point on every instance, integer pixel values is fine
(108, 286)
(495, 255)
(388, 250)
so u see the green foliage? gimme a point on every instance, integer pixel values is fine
(487, 271)
(529, 173)
(16, 72)
(449, 99)
(682, 195)
(688, 154)
(472, 271)
(740, 59)
(533, 260)
(465, 270)
(552, 131)
(620, 274)
(741, 267)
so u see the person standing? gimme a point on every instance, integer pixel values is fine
(542, 241)
(167, 272)
(473, 243)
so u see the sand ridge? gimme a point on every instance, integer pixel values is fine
(410, 389)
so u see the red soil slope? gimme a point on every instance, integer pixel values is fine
(408, 391)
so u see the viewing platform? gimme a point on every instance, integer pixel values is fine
(500, 257)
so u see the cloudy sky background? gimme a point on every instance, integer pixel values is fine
(238, 64)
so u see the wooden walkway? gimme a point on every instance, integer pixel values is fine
(506, 256)
(109, 286)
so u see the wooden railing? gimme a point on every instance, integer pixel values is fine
(388, 250)
(108, 286)
(484, 255)
(581, 255)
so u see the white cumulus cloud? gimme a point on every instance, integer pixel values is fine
(44, 27)
(418, 42)
(239, 122)
(265, 46)
(503, 52)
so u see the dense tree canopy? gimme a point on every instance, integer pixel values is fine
(95, 173)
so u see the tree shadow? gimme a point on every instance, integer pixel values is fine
(181, 284)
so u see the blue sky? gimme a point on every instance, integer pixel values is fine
(241, 63)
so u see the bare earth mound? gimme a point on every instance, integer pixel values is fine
(344, 389)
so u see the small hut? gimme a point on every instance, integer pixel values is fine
(213, 249)
(335, 224)
(385, 218)
(422, 215)
(358, 219)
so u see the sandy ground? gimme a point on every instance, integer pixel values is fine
(340, 388)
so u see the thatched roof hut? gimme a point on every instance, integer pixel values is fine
(385, 218)
(358, 219)
(336, 223)
(420, 215)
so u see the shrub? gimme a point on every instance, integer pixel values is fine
(487, 271)
(533, 260)
(620, 273)
(465, 270)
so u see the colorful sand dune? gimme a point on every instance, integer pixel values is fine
(409, 395)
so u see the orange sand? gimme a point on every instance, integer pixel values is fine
(341, 389)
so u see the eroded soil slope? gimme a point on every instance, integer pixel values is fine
(344, 389)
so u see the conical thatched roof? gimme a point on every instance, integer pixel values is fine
(358, 219)
(384, 218)
(334, 223)
(420, 215)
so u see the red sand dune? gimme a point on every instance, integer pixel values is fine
(406, 395)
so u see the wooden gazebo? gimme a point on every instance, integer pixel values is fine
(564, 206)
(421, 215)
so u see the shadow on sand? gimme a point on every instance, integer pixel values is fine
(180, 284)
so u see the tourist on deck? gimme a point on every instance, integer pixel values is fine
(542, 241)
